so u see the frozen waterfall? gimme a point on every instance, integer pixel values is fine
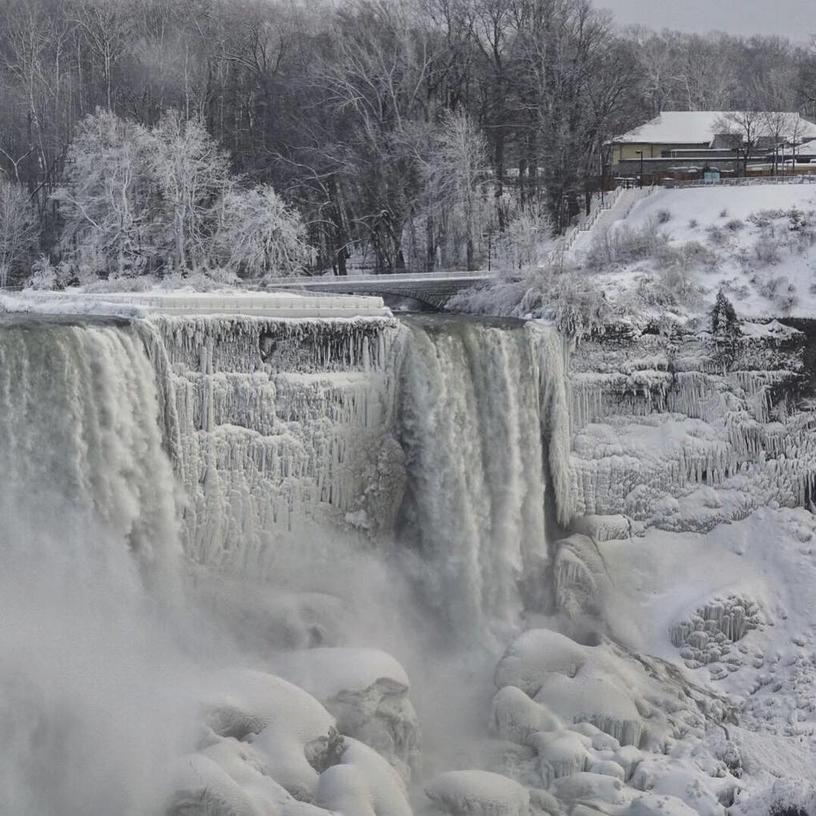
(471, 423)
(307, 467)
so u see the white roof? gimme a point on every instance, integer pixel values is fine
(807, 147)
(696, 127)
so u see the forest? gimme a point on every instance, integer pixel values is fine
(263, 138)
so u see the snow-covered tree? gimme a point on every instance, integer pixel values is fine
(725, 330)
(163, 200)
(108, 198)
(258, 235)
(724, 320)
(192, 175)
(18, 229)
(452, 213)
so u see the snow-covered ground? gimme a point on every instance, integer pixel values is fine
(756, 242)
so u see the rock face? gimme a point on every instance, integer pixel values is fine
(656, 419)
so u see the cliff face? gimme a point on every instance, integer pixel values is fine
(683, 433)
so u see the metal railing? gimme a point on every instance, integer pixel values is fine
(744, 181)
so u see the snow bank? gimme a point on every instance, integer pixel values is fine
(478, 793)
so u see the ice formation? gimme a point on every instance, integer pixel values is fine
(315, 538)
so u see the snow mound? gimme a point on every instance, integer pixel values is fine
(478, 793)
(366, 690)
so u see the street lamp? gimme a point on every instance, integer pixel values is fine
(640, 178)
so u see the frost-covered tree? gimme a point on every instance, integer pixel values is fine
(18, 230)
(258, 235)
(192, 174)
(452, 213)
(725, 330)
(138, 200)
(108, 201)
(462, 172)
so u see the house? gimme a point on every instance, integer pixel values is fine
(686, 143)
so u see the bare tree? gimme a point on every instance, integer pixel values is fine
(18, 230)
(747, 127)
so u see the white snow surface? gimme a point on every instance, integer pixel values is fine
(280, 304)
(762, 259)
(698, 127)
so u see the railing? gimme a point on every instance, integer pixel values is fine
(621, 197)
(385, 277)
(744, 181)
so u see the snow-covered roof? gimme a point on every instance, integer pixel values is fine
(698, 128)
(806, 147)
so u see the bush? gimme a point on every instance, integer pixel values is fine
(664, 216)
(524, 243)
(626, 245)
(734, 225)
(798, 221)
(716, 235)
(723, 213)
(45, 275)
(693, 223)
(770, 287)
(764, 218)
(768, 249)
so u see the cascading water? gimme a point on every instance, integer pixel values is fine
(471, 425)
(323, 456)
(88, 698)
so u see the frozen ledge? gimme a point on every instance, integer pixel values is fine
(256, 304)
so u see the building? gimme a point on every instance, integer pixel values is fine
(684, 144)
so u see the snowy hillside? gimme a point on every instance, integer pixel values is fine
(678, 247)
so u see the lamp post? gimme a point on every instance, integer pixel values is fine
(640, 178)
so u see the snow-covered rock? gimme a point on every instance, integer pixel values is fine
(366, 691)
(478, 793)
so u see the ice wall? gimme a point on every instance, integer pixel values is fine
(655, 418)
(279, 430)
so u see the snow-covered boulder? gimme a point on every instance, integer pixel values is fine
(282, 722)
(363, 784)
(367, 692)
(518, 718)
(561, 753)
(582, 683)
(343, 789)
(478, 793)
(590, 787)
(680, 778)
(655, 805)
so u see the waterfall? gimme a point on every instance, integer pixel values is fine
(372, 462)
(90, 701)
(471, 424)
(78, 411)
(287, 429)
